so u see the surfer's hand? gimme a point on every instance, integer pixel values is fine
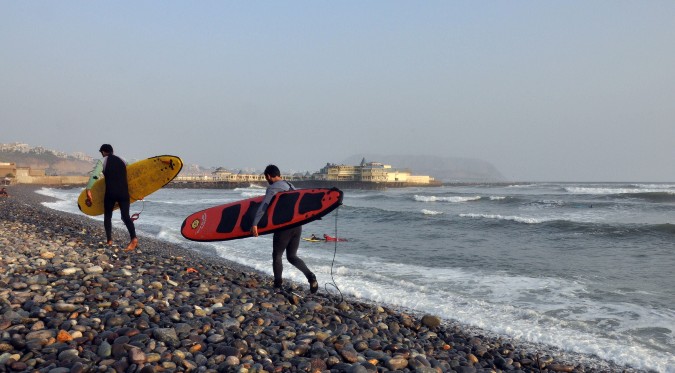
(89, 197)
(254, 231)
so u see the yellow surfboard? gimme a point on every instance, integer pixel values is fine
(144, 177)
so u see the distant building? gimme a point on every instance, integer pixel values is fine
(7, 170)
(28, 175)
(82, 156)
(15, 147)
(375, 172)
(222, 174)
(23, 172)
(25, 148)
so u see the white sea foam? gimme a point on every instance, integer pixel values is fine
(193, 201)
(49, 192)
(497, 198)
(518, 219)
(250, 188)
(66, 199)
(353, 195)
(454, 199)
(500, 311)
(547, 203)
(431, 212)
(253, 194)
(605, 191)
(655, 186)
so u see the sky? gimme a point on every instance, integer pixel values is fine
(543, 90)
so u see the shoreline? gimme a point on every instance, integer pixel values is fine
(143, 311)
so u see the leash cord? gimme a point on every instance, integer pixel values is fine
(137, 215)
(333, 262)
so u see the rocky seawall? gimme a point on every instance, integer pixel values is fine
(69, 303)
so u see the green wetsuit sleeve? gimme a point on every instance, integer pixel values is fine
(95, 174)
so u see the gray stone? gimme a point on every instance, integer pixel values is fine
(349, 355)
(59, 370)
(19, 285)
(182, 328)
(215, 338)
(357, 368)
(68, 355)
(41, 335)
(104, 349)
(69, 271)
(231, 323)
(431, 321)
(397, 363)
(166, 335)
(116, 321)
(232, 361)
(93, 270)
(65, 307)
(136, 356)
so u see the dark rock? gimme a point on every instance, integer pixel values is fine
(166, 335)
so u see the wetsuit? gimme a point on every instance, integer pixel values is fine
(116, 191)
(287, 240)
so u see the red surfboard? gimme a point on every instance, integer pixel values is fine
(287, 209)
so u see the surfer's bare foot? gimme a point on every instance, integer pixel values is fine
(110, 243)
(313, 285)
(132, 245)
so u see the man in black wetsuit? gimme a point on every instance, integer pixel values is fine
(114, 170)
(286, 240)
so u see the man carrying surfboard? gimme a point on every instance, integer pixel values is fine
(287, 240)
(114, 170)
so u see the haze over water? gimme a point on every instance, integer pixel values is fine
(580, 266)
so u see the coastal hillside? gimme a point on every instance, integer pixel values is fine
(50, 162)
(444, 169)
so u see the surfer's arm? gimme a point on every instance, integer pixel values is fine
(95, 174)
(258, 216)
(261, 210)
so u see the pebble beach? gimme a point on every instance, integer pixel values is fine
(69, 303)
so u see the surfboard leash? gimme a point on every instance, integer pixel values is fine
(137, 215)
(333, 262)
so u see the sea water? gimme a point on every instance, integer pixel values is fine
(588, 268)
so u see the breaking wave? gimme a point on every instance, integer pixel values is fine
(518, 219)
(454, 199)
(431, 212)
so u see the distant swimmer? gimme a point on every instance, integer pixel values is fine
(313, 238)
(329, 238)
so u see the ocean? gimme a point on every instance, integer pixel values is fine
(584, 267)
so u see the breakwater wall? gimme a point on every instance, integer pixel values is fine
(52, 180)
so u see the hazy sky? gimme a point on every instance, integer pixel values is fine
(543, 90)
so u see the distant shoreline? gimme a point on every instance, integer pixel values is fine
(298, 183)
(362, 185)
